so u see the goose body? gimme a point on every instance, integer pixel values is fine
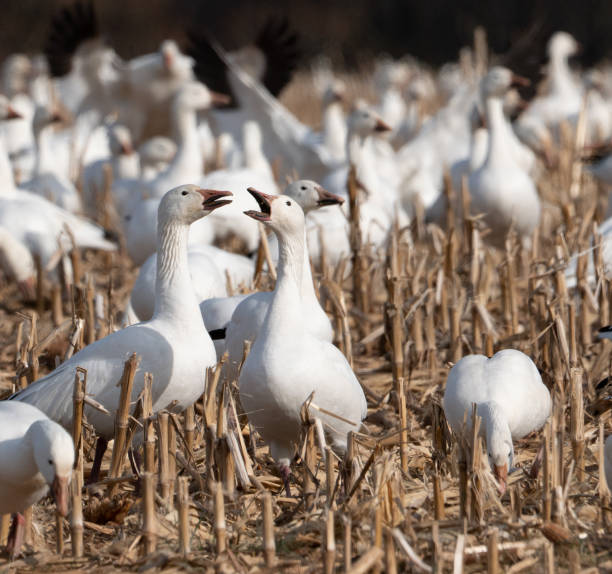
(500, 188)
(287, 363)
(249, 316)
(510, 398)
(174, 345)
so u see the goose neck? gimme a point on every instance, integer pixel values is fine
(44, 155)
(494, 421)
(498, 151)
(560, 75)
(7, 181)
(334, 129)
(174, 294)
(285, 313)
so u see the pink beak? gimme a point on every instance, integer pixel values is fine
(211, 196)
(501, 473)
(60, 493)
(328, 198)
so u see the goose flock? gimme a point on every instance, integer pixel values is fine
(180, 152)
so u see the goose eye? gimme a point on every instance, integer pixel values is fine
(183, 192)
(303, 188)
(50, 461)
(289, 203)
(128, 218)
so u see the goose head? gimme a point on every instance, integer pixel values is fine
(310, 195)
(498, 81)
(45, 116)
(188, 203)
(54, 457)
(196, 96)
(501, 454)
(364, 122)
(562, 45)
(281, 212)
(7, 112)
(157, 151)
(176, 64)
(119, 140)
(334, 93)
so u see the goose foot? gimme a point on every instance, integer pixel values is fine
(15, 537)
(101, 445)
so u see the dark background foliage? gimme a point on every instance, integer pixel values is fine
(350, 31)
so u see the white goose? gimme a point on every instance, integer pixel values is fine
(510, 398)
(287, 362)
(500, 188)
(174, 344)
(37, 454)
(250, 313)
(46, 182)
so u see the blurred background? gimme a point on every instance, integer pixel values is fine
(349, 31)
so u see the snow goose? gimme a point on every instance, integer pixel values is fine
(174, 345)
(510, 397)
(287, 363)
(500, 188)
(35, 221)
(124, 165)
(37, 454)
(46, 182)
(250, 313)
(562, 100)
(187, 164)
(17, 263)
(333, 121)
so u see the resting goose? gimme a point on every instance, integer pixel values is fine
(501, 189)
(287, 362)
(37, 455)
(510, 398)
(250, 312)
(174, 345)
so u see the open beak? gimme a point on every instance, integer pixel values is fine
(381, 126)
(264, 201)
(211, 197)
(60, 493)
(501, 474)
(220, 99)
(328, 198)
(520, 81)
(13, 114)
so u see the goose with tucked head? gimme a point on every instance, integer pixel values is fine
(37, 456)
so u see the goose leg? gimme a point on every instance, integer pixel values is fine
(285, 472)
(15, 537)
(101, 445)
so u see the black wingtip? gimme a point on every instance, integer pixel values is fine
(70, 27)
(602, 384)
(217, 334)
(280, 45)
(208, 67)
(606, 329)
